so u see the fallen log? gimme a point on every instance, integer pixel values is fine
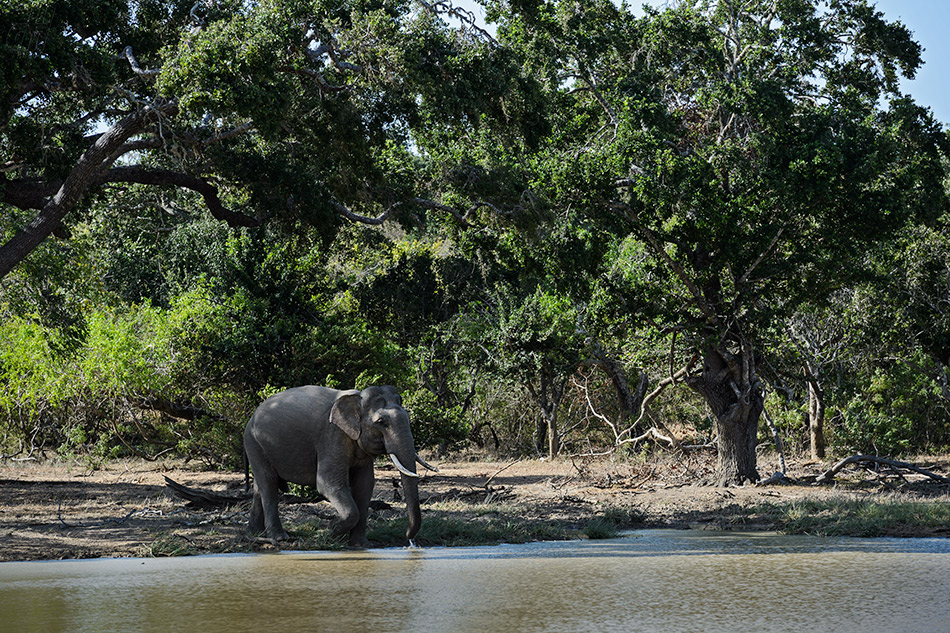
(204, 499)
(777, 478)
(894, 464)
(207, 500)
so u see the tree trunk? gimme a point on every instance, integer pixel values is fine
(548, 396)
(553, 441)
(816, 420)
(546, 431)
(732, 390)
(629, 401)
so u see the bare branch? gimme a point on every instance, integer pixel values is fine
(874, 459)
(591, 81)
(465, 17)
(462, 218)
(138, 70)
(651, 432)
(765, 253)
(318, 76)
(363, 219)
(329, 49)
(197, 19)
(663, 384)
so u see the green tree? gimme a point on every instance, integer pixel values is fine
(756, 151)
(300, 109)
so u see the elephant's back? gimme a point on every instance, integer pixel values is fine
(295, 409)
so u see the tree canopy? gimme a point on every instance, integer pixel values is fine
(571, 208)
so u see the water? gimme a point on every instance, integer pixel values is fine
(650, 581)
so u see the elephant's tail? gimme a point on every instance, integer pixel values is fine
(247, 473)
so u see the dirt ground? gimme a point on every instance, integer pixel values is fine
(56, 510)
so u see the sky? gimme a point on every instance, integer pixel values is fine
(928, 20)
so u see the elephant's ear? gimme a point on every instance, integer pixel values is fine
(347, 413)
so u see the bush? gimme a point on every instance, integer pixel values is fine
(897, 410)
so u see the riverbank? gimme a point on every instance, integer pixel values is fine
(53, 510)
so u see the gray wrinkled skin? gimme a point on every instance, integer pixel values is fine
(329, 438)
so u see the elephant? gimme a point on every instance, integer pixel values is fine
(330, 438)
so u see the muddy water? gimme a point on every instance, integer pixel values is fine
(649, 581)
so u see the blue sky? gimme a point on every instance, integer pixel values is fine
(928, 20)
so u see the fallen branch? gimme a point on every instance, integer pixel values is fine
(651, 432)
(202, 498)
(829, 474)
(501, 470)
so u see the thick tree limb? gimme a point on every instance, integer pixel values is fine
(27, 194)
(142, 176)
(32, 194)
(86, 171)
(829, 474)
(680, 273)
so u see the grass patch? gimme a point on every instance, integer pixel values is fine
(169, 544)
(454, 531)
(314, 536)
(611, 522)
(858, 517)
(601, 528)
(457, 524)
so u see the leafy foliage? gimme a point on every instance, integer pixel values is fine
(585, 198)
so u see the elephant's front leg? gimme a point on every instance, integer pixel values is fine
(362, 481)
(334, 484)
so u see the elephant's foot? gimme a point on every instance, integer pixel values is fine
(279, 534)
(359, 542)
(272, 536)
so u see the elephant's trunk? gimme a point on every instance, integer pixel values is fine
(410, 488)
(403, 454)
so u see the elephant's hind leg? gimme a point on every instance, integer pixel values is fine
(264, 516)
(268, 494)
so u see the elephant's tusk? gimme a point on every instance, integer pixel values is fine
(426, 464)
(405, 471)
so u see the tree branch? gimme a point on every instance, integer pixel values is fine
(466, 18)
(663, 384)
(681, 274)
(142, 176)
(85, 172)
(138, 70)
(765, 253)
(892, 463)
(462, 218)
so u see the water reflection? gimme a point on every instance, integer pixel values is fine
(650, 581)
